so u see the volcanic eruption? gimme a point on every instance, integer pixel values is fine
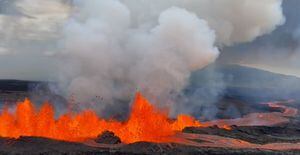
(134, 76)
(145, 123)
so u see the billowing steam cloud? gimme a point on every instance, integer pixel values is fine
(234, 21)
(108, 49)
(112, 48)
(112, 59)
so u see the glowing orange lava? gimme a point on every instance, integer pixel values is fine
(226, 127)
(145, 123)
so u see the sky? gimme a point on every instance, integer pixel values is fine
(278, 52)
(29, 32)
(29, 35)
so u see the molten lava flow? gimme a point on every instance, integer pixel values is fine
(145, 123)
(226, 127)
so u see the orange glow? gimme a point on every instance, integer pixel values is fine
(226, 127)
(145, 123)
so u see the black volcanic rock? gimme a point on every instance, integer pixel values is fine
(289, 133)
(173, 148)
(108, 137)
(38, 146)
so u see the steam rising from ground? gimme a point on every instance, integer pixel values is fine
(113, 60)
(114, 47)
(108, 49)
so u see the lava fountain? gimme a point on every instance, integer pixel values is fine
(145, 123)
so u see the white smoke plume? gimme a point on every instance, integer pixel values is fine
(113, 47)
(112, 60)
(108, 49)
(234, 21)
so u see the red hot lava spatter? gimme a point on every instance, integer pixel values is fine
(145, 123)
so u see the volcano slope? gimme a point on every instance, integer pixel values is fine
(257, 129)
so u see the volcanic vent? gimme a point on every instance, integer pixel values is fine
(148, 129)
(145, 123)
(102, 51)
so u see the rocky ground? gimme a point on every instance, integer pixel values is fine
(289, 133)
(34, 145)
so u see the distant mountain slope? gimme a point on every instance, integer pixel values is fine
(248, 83)
(18, 85)
(236, 80)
